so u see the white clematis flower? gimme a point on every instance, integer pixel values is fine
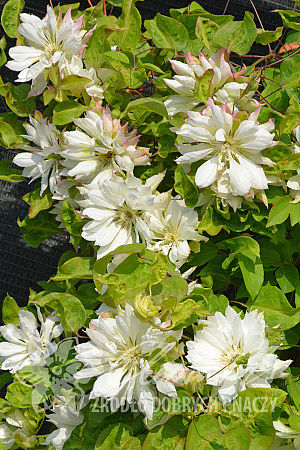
(117, 211)
(50, 40)
(101, 146)
(119, 356)
(41, 161)
(294, 182)
(26, 346)
(65, 417)
(172, 228)
(235, 354)
(231, 148)
(227, 85)
(98, 77)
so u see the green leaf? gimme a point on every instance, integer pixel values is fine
(205, 30)
(252, 270)
(36, 230)
(166, 32)
(101, 264)
(97, 46)
(18, 101)
(69, 308)
(159, 268)
(280, 211)
(71, 219)
(276, 308)
(130, 20)
(265, 37)
(65, 112)
(237, 36)
(37, 201)
(10, 311)
(205, 433)
(19, 395)
(8, 174)
(290, 19)
(10, 17)
(146, 104)
(203, 87)
(287, 277)
(185, 187)
(291, 119)
(171, 435)
(7, 133)
(211, 222)
(75, 268)
(294, 422)
(118, 436)
(186, 313)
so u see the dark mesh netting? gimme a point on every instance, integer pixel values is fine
(21, 266)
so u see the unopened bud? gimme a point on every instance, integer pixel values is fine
(193, 381)
(144, 307)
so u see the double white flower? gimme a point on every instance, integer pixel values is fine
(235, 354)
(101, 146)
(41, 161)
(65, 416)
(231, 148)
(26, 346)
(51, 41)
(119, 355)
(117, 211)
(172, 228)
(227, 85)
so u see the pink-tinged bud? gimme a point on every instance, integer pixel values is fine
(190, 59)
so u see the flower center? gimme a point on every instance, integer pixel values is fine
(124, 216)
(130, 359)
(235, 355)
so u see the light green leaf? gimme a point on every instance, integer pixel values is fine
(205, 433)
(10, 17)
(168, 33)
(280, 211)
(290, 19)
(237, 36)
(203, 87)
(65, 112)
(10, 311)
(147, 104)
(205, 30)
(68, 308)
(9, 174)
(19, 395)
(75, 268)
(130, 22)
(38, 202)
(265, 37)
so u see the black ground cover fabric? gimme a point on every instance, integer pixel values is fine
(21, 266)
